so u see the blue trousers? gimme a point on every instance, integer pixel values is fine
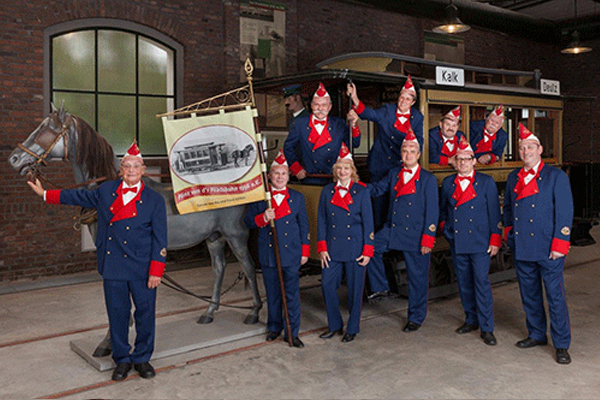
(531, 274)
(118, 295)
(291, 281)
(472, 276)
(417, 271)
(376, 269)
(331, 279)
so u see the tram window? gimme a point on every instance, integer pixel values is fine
(543, 123)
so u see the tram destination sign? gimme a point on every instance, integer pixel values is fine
(548, 86)
(449, 76)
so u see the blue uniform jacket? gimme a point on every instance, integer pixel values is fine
(436, 143)
(541, 222)
(385, 153)
(127, 247)
(292, 232)
(412, 218)
(346, 235)
(472, 226)
(476, 134)
(297, 148)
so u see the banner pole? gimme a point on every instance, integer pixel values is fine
(288, 327)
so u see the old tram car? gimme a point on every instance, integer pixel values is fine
(378, 77)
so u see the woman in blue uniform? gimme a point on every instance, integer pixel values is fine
(345, 243)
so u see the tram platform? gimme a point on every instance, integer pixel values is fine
(39, 321)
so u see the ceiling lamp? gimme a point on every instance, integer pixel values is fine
(574, 47)
(451, 23)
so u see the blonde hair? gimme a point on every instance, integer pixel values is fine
(353, 177)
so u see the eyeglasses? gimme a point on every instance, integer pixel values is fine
(134, 166)
(464, 159)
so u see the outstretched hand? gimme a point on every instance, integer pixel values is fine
(36, 187)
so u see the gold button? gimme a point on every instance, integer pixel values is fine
(108, 252)
(124, 241)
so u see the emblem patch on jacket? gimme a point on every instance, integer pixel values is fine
(565, 231)
(163, 252)
(432, 228)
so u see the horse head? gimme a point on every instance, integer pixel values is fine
(62, 135)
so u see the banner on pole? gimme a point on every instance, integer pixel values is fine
(214, 160)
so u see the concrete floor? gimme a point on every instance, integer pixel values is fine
(36, 327)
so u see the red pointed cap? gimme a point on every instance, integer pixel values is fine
(454, 113)
(280, 160)
(464, 146)
(410, 139)
(408, 85)
(133, 151)
(526, 134)
(499, 110)
(345, 154)
(321, 91)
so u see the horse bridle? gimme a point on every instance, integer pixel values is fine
(47, 139)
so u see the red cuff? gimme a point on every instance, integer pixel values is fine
(506, 230)
(321, 246)
(427, 241)
(359, 108)
(305, 250)
(157, 268)
(355, 131)
(295, 168)
(562, 246)
(259, 220)
(494, 158)
(443, 160)
(53, 196)
(368, 250)
(496, 240)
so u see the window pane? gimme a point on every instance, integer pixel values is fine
(73, 61)
(80, 104)
(117, 121)
(116, 61)
(152, 140)
(155, 68)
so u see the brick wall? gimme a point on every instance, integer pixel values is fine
(36, 239)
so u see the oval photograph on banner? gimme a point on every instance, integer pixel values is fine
(213, 154)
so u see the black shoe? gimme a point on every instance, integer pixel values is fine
(121, 371)
(378, 296)
(466, 328)
(145, 370)
(329, 334)
(488, 338)
(272, 336)
(348, 337)
(296, 342)
(562, 356)
(529, 343)
(410, 327)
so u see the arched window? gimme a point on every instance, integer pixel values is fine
(116, 75)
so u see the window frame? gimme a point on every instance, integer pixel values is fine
(118, 25)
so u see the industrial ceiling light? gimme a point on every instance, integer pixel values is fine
(574, 47)
(451, 23)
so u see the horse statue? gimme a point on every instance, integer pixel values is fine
(62, 135)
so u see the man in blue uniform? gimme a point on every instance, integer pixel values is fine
(444, 139)
(410, 227)
(488, 138)
(538, 213)
(291, 223)
(293, 102)
(314, 142)
(131, 249)
(394, 122)
(470, 220)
